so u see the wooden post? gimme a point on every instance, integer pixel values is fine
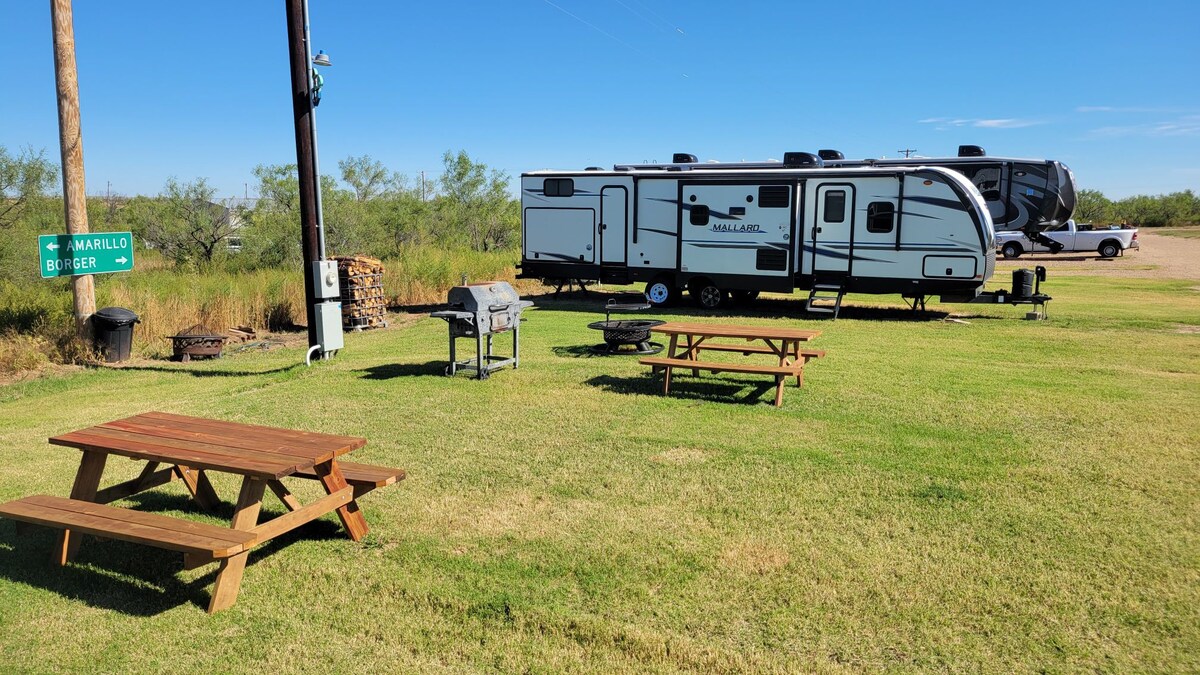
(301, 70)
(70, 141)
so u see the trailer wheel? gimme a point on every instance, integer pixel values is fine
(743, 297)
(661, 292)
(1109, 249)
(706, 294)
(1012, 250)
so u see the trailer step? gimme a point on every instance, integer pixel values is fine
(825, 293)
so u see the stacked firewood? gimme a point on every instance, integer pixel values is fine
(361, 281)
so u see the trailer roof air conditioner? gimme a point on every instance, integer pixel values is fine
(801, 159)
(683, 158)
(830, 154)
(971, 151)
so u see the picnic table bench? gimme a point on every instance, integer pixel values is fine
(783, 343)
(190, 447)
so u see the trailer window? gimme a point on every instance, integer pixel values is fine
(558, 187)
(881, 217)
(835, 206)
(699, 215)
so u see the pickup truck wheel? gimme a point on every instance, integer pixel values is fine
(1109, 249)
(1011, 250)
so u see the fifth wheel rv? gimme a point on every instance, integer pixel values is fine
(1029, 195)
(730, 231)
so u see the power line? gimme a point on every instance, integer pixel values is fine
(592, 26)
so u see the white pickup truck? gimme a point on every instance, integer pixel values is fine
(1108, 242)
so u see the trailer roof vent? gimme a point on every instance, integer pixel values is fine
(683, 158)
(971, 151)
(830, 154)
(793, 160)
(593, 168)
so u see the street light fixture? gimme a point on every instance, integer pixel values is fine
(318, 81)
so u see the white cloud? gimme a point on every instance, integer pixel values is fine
(1006, 123)
(1186, 125)
(1125, 109)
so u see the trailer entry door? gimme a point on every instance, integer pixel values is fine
(614, 210)
(831, 231)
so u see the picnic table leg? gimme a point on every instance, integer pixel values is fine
(229, 574)
(87, 480)
(691, 352)
(779, 390)
(351, 515)
(285, 495)
(794, 353)
(670, 352)
(666, 379)
(197, 484)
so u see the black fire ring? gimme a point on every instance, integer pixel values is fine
(626, 333)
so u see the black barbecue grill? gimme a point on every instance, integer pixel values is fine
(481, 311)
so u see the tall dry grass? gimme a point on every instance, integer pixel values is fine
(421, 276)
(168, 300)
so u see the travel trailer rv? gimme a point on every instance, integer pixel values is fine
(729, 231)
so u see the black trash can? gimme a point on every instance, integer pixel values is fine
(113, 327)
(1022, 283)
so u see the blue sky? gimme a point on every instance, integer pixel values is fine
(191, 89)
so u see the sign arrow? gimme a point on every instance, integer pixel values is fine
(51, 246)
(122, 260)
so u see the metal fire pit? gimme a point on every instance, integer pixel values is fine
(197, 341)
(620, 333)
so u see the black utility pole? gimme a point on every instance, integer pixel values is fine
(306, 166)
(907, 153)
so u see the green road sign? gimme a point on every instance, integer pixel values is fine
(66, 255)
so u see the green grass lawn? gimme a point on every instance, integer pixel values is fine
(998, 495)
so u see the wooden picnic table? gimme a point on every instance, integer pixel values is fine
(780, 342)
(190, 447)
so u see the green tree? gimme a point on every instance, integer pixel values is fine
(185, 223)
(1091, 206)
(271, 237)
(368, 178)
(475, 203)
(22, 178)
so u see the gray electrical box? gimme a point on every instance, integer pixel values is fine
(329, 324)
(325, 280)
